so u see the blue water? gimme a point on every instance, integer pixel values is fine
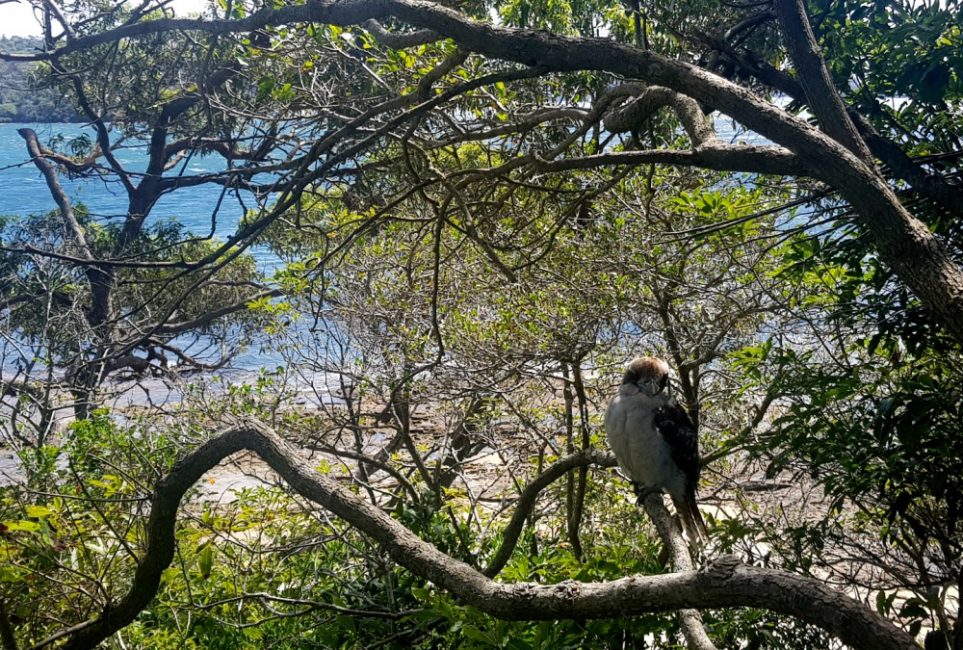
(23, 192)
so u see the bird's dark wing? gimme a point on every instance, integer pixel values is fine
(674, 425)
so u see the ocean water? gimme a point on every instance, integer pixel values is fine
(204, 210)
(201, 209)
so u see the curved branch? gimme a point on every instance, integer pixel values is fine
(74, 166)
(40, 159)
(209, 317)
(51, 7)
(904, 243)
(400, 40)
(101, 281)
(526, 501)
(225, 147)
(899, 163)
(523, 124)
(725, 583)
(549, 52)
(364, 459)
(651, 99)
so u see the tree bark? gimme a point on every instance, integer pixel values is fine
(671, 535)
(821, 93)
(725, 583)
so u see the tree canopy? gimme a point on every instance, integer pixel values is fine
(484, 210)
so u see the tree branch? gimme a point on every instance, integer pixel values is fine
(746, 158)
(689, 619)
(57, 191)
(399, 41)
(725, 583)
(211, 316)
(226, 148)
(526, 501)
(100, 279)
(651, 99)
(821, 93)
(900, 165)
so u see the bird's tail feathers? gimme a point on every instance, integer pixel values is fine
(692, 521)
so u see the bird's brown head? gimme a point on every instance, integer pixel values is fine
(650, 374)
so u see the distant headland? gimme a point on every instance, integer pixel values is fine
(23, 100)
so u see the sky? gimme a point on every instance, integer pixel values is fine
(16, 18)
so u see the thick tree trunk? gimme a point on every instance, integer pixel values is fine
(907, 246)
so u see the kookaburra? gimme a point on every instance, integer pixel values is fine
(655, 442)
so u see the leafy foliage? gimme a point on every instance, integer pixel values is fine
(443, 269)
(50, 297)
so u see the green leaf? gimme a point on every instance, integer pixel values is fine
(39, 511)
(205, 561)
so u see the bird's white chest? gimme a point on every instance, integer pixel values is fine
(642, 452)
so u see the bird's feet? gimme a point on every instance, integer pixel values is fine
(642, 492)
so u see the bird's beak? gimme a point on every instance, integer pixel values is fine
(647, 387)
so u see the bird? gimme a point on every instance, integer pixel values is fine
(655, 442)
